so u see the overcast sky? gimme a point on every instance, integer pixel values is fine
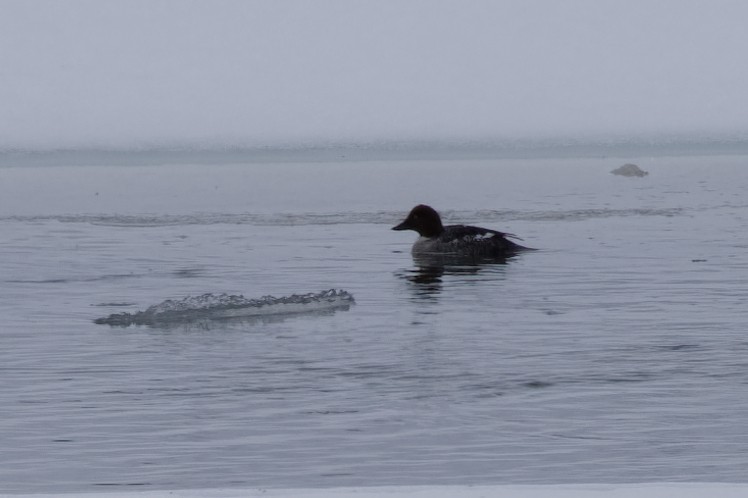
(92, 73)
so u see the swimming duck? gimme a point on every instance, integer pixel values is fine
(456, 240)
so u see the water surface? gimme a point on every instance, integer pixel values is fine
(615, 353)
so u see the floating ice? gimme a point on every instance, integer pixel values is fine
(629, 170)
(222, 306)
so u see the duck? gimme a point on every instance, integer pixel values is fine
(463, 241)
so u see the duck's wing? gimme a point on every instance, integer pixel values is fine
(467, 239)
(471, 234)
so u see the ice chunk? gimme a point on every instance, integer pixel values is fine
(221, 306)
(630, 170)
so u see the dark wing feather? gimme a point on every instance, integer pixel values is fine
(466, 233)
(470, 239)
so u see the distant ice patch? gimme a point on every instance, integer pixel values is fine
(629, 170)
(224, 306)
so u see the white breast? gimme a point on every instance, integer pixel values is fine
(424, 245)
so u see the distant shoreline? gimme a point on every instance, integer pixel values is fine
(623, 148)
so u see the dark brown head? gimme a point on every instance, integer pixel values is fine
(424, 220)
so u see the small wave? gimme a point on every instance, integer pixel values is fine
(166, 220)
(569, 215)
(342, 218)
(225, 306)
(97, 278)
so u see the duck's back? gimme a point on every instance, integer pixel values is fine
(469, 241)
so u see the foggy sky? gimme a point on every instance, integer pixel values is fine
(142, 73)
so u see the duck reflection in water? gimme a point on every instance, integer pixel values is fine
(428, 274)
(452, 249)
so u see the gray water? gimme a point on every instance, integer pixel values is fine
(616, 353)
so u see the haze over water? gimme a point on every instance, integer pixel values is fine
(165, 73)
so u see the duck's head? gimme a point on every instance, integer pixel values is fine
(424, 220)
